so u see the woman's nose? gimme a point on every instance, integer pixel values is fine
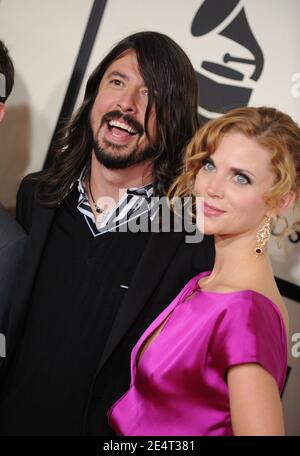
(215, 188)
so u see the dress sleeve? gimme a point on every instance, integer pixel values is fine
(250, 329)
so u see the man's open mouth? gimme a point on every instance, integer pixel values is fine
(121, 126)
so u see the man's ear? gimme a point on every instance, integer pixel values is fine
(2, 111)
(285, 202)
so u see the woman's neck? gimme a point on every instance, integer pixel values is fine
(236, 264)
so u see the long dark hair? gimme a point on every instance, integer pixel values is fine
(172, 85)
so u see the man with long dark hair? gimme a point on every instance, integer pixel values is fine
(89, 287)
(12, 237)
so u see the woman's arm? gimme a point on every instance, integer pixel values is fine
(254, 401)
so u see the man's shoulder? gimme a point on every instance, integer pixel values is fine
(30, 182)
(26, 199)
(10, 230)
(5, 216)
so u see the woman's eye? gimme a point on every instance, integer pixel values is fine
(241, 179)
(208, 166)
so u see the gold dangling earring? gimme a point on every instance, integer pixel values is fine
(262, 236)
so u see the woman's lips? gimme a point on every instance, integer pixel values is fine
(211, 210)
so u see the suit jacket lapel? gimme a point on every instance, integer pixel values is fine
(157, 255)
(41, 223)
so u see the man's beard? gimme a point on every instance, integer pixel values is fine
(112, 160)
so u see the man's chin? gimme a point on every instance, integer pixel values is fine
(116, 158)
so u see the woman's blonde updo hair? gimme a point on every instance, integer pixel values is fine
(270, 128)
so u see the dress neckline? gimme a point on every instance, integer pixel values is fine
(180, 299)
(244, 291)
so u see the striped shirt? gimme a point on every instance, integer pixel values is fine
(134, 203)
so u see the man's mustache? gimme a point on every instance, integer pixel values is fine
(127, 118)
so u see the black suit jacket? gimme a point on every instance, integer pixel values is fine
(12, 241)
(167, 263)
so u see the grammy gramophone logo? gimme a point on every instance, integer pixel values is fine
(226, 79)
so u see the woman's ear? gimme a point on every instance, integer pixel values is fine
(285, 202)
(2, 111)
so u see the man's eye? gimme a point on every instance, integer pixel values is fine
(116, 82)
(242, 179)
(207, 165)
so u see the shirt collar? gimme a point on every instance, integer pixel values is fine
(145, 190)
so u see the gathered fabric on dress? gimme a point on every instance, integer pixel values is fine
(179, 385)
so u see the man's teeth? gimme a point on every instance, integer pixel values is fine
(115, 123)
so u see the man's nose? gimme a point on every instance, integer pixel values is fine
(127, 102)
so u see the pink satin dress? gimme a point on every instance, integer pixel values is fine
(179, 386)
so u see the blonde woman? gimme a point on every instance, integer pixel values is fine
(214, 361)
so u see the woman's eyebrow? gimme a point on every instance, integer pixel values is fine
(240, 170)
(235, 170)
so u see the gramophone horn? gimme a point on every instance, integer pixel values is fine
(210, 14)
